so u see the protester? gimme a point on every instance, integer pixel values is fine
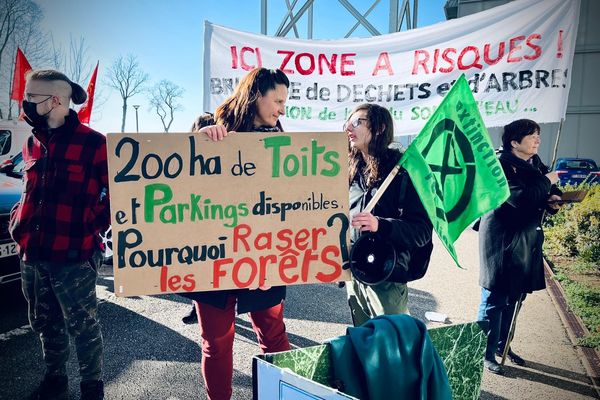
(399, 215)
(511, 237)
(203, 120)
(255, 106)
(56, 225)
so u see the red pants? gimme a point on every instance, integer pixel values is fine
(217, 328)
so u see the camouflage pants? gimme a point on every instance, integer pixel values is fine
(368, 302)
(62, 300)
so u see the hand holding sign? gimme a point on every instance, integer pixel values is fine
(215, 132)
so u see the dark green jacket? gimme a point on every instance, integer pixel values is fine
(389, 357)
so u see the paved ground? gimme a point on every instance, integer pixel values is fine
(553, 369)
(150, 354)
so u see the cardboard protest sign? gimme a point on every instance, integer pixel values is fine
(517, 58)
(256, 209)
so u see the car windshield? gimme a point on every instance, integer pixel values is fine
(577, 164)
(19, 164)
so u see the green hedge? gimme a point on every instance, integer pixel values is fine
(575, 230)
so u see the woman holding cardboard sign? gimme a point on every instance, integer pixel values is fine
(398, 218)
(255, 106)
(511, 237)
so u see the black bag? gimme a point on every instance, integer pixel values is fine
(408, 265)
(419, 256)
(419, 262)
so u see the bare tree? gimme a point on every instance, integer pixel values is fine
(34, 43)
(57, 54)
(19, 26)
(126, 76)
(74, 62)
(80, 68)
(164, 98)
(12, 14)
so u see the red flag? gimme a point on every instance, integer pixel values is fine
(21, 68)
(85, 111)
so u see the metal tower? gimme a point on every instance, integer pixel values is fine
(398, 15)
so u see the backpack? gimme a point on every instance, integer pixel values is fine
(419, 256)
(417, 265)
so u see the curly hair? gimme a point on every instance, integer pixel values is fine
(238, 111)
(373, 165)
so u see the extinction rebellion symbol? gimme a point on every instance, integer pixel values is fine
(457, 169)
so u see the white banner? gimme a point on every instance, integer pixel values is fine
(516, 57)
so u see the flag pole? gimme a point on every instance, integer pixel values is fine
(511, 332)
(553, 161)
(388, 180)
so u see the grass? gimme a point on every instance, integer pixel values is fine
(572, 245)
(581, 284)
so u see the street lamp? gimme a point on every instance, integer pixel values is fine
(137, 127)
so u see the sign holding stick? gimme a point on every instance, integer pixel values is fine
(189, 214)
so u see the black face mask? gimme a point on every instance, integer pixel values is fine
(31, 115)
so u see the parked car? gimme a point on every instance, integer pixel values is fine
(13, 134)
(574, 171)
(11, 171)
(11, 174)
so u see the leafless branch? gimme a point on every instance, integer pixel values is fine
(164, 98)
(126, 76)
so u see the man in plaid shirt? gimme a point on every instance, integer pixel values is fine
(56, 223)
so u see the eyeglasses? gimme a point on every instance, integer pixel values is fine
(355, 123)
(28, 96)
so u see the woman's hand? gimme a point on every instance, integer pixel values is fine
(214, 132)
(552, 177)
(367, 222)
(553, 202)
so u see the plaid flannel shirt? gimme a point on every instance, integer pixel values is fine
(64, 205)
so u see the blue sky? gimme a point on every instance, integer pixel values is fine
(167, 38)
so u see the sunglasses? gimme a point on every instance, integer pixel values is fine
(355, 123)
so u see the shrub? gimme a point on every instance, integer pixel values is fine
(575, 230)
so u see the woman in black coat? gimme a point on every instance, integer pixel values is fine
(511, 237)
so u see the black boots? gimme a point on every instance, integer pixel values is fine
(53, 387)
(493, 367)
(56, 387)
(191, 317)
(513, 357)
(92, 390)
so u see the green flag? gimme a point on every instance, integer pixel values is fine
(453, 166)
